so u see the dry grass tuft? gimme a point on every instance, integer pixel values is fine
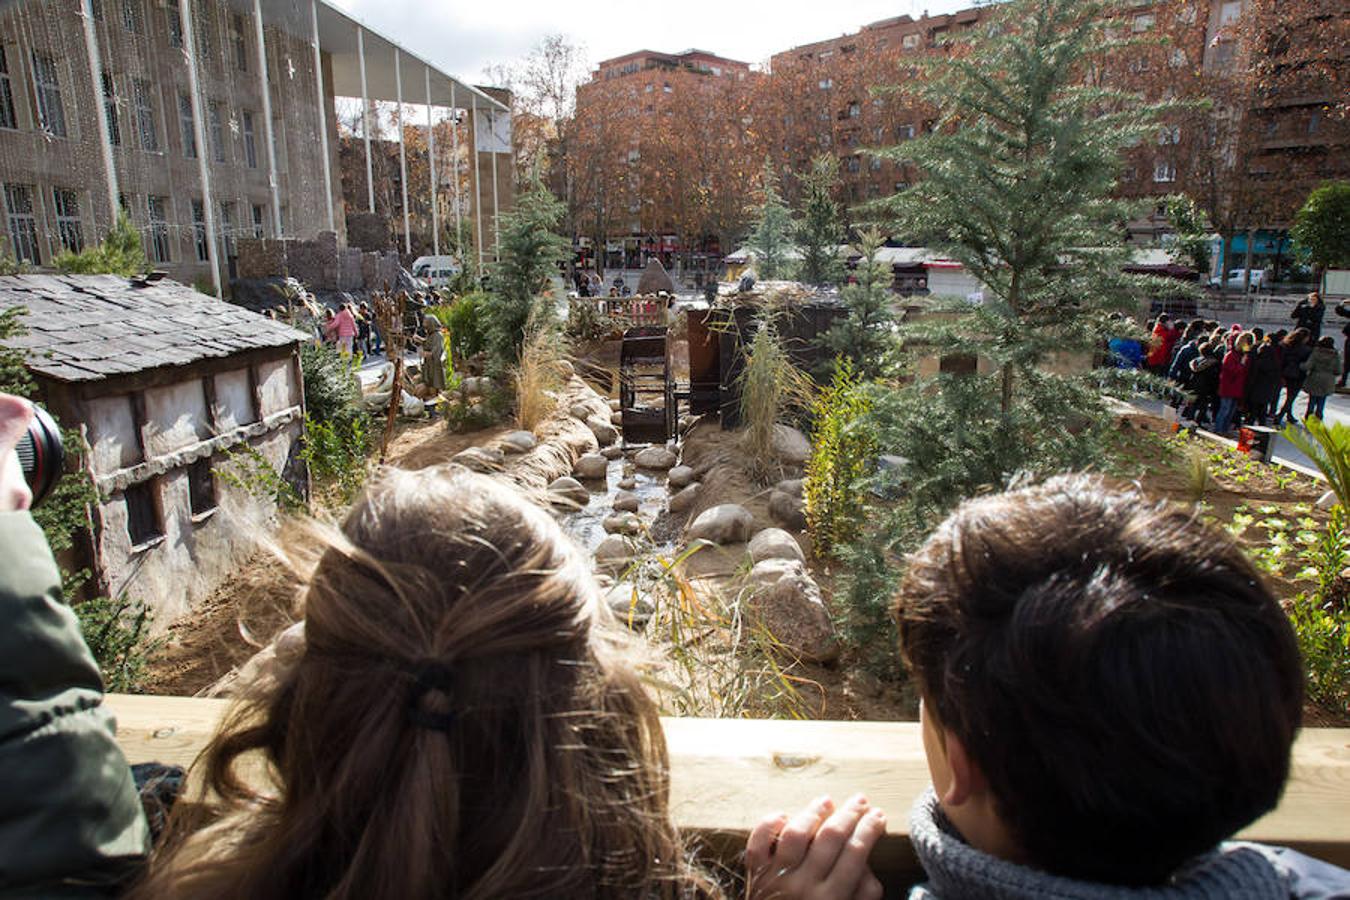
(538, 376)
(771, 387)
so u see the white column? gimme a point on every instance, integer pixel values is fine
(203, 151)
(431, 158)
(365, 116)
(402, 155)
(454, 168)
(477, 188)
(264, 82)
(104, 138)
(323, 114)
(496, 228)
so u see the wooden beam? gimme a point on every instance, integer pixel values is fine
(727, 773)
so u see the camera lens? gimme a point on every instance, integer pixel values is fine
(41, 454)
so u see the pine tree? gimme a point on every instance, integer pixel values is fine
(1016, 183)
(865, 337)
(530, 253)
(120, 253)
(770, 237)
(820, 231)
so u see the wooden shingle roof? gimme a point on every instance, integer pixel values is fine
(90, 327)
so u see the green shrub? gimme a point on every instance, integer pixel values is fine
(336, 452)
(463, 321)
(118, 634)
(1321, 619)
(120, 253)
(842, 447)
(332, 388)
(586, 323)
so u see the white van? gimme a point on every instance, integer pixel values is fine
(435, 271)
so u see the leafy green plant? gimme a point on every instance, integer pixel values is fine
(8, 264)
(842, 448)
(1199, 476)
(1328, 446)
(336, 452)
(120, 253)
(118, 634)
(1321, 618)
(247, 469)
(462, 319)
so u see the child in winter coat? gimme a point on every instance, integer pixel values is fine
(1204, 382)
(1323, 367)
(1233, 381)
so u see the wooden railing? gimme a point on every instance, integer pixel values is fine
(728, 773)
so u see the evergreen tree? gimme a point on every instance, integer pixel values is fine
(866, 336)
(820, 231)
(770, 237)
(1322, 227)
(120, 253)
(530, 253)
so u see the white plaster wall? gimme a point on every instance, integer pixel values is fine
(234, 400)
(952, 283)
(111, 426)
(175, 417)
(278, 387)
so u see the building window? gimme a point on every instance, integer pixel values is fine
(826, 83)
(1169, 136)
(110, 110)
(904, 132)
(1164, 172)
(258, 228)
(131, 16)
(157, 209)
(199, 231)
(186, 127)
(68, 224)
(8, 119)
(1314, 121)
(910, 41)
(201, 487)
(206, 45)
(227, 226)
(173, 18)
(22, 223)
(142, 514)
(852, 165)
(1230, 12)
(1187, 15)
(216, 121)
(854, 110)
(145, 115)
(51, 109)
(875, 163)
(250, 140)
(240, 42)
(1177, 58)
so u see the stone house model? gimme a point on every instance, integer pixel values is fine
(164, 383)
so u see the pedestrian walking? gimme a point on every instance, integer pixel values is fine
(343, 327)
(1323, 366)
(1204, 381)
(1296, 350)
(1343, 310)
(1308, 314)
(1263, 382)
(1233, 381)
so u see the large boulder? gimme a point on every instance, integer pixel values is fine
(627, 501)
(775, 543)
(591, 467)
(680, 476)
(790, 446)
(614, 553)
(765, 574)
(685, 499)
(793, 611)
(622, 523)
(615, 406)
(604, 432)
(655, 279)
(726, 523)
(582, 411)
(569, 491)
(519, 442)
(787, 511)
(480, 459)
(790, 486)
(654, 458)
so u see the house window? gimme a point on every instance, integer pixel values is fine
(240, 42)
(826, 83)
(157, 209)
(131, 16)
(1230, 12)
(110, 110)
(8, 119)
(1177, 58)
(250, 140)
(186, 127)
(22, 223)
(874, 163)
(68, 224)
(47, 84)
(199, 231)
(201, 487)
(258, 228)
(142, 514)
(854, 110)
(1314, 121)
(852, 165)
(173, 18)
(910, 41)
(145, 115)
(1164, 171)
(904, 132)
(1169, 136)
(215, 119)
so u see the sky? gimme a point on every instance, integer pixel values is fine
(462, 38)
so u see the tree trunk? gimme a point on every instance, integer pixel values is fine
(1005, 400)
(1247, 263)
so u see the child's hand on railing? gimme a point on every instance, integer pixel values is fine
(818, 854)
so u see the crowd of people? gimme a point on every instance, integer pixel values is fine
(1110, 691)
(1225, 378)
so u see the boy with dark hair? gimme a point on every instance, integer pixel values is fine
(1110, 692)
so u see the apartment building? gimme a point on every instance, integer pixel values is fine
(205, 120)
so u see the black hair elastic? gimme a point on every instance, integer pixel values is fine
(430, 676)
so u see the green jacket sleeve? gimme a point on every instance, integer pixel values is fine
(71, 823)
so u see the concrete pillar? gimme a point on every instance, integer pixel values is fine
(431, 158)
(104, 138)
(269, 135)
(323, 114)
(203, 150)
(402, 155)
(365, 116)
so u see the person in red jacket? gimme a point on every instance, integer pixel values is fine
(1165, 336)
(1233, 380)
